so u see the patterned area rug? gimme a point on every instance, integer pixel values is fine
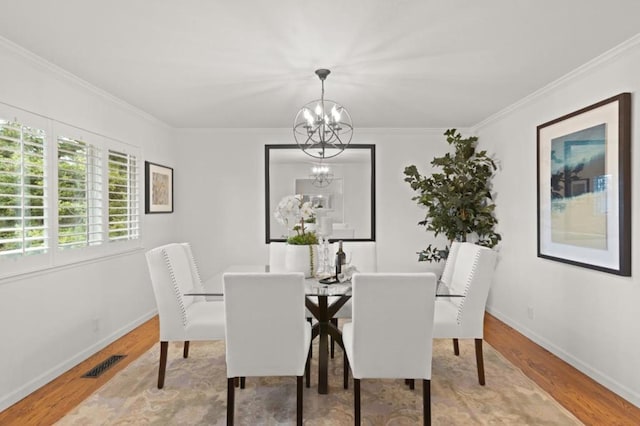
(195, 394)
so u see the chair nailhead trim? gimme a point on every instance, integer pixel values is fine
(476, 259)
(196, 271)
(176, 288)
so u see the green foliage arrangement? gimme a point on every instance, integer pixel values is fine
(458, 199)
(306, 239)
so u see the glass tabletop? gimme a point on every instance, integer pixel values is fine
(312, 285)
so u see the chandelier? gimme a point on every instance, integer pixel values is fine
(322, 128)
(321, 175)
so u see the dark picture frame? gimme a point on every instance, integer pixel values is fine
(158, 188)
(584, 187)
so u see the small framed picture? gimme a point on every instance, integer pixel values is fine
(584, 187)
(158, 188)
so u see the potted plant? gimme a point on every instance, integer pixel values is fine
(458, 198)
(302, 247)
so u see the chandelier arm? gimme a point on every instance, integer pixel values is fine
(337, 136)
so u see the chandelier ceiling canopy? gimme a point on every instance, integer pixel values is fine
(323, 128)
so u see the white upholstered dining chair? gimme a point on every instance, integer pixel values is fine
(463, 317)
(258, 308)
(363, 255)
(447, 272)
(397, 344)
(277, 254)
(173, 273)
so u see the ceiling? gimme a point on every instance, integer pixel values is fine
(250, 63)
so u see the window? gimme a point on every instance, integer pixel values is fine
(124, 215)
(79, 193)
(66, 194)
(23, 190)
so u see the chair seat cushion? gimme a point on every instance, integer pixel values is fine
(205, 321)
(445, 319)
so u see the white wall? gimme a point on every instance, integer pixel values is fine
(50, 321)
(223, 215)
(47, 319)
(590, 319)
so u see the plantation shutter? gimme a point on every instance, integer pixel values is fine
(124, 214)
(79, 194)
(23, 186)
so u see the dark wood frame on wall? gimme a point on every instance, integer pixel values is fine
(615, 256)
(148, 190)
(268, 208)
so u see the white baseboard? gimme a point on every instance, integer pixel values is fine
(35, 384)
(606, 381)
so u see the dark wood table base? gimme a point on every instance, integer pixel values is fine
(323, 312)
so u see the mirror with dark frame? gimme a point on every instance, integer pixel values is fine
(341, 190)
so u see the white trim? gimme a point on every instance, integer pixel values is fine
(616, 387)
(64, 366)
(63, 123)
(279, 131)
(66, 75)
(49, 267)
(594, 63)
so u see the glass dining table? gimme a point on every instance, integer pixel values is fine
(323, 301)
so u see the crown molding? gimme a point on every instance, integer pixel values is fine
(70, 77)
(594, 63)
(358, 131)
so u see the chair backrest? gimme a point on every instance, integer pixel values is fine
(472, 276)
(393, 325)
(447, 272)
(277, 256)
(363, 254)
(265, 324)
(173, 272)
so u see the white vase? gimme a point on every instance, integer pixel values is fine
(301, 259)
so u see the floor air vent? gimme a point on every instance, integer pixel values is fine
(103, 366)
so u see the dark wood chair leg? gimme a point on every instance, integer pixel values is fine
(185, 350)
(311, 348)
(299, 402)
(334, 321)
(411, 383)
(164, 346)
(236, 382)
(231, 384)
(356, 401)
(242, 380)
(426, 401)
(307, 369)
(345, 372)
(456, 348)
(480, 361)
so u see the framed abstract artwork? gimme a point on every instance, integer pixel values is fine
(584, 187)
(158, 188)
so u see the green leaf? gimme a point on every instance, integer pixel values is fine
(457, 195)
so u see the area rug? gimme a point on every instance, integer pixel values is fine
(195, 394)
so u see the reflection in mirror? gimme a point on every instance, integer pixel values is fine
(341, 191)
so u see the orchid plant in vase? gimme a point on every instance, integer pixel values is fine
(294, 213)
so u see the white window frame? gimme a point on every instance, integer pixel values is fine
(55, 257)
(133, 195)
(94, 194)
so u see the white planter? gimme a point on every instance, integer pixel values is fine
(301, 259)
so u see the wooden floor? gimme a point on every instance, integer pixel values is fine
(587, 400)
